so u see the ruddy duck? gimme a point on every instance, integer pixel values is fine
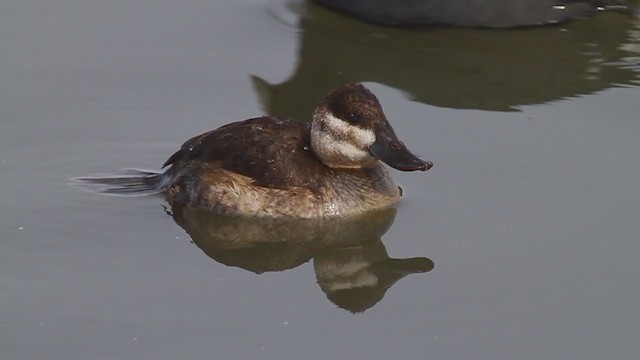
(274, 167)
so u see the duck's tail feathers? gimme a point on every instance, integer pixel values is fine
(128, 182)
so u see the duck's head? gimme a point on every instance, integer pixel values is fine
(350, 130)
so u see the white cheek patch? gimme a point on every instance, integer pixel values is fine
(349, 151)
(340, 143)
(362, 137)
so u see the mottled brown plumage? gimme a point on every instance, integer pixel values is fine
(275, 167)
(268, 150)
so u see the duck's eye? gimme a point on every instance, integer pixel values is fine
(353, 118)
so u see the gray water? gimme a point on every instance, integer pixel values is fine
(525, 232)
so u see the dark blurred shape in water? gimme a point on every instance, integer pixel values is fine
(496, 70)
(479, 13)
(350, 261)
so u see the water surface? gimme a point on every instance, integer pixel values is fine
(529, 216)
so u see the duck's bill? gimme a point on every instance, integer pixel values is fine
(392, 152)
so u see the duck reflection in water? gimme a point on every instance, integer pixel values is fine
(464, 68)
(350, 261)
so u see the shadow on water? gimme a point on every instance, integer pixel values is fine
(496, 70)
(350, 261)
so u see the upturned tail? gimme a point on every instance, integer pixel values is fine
(129, 182)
